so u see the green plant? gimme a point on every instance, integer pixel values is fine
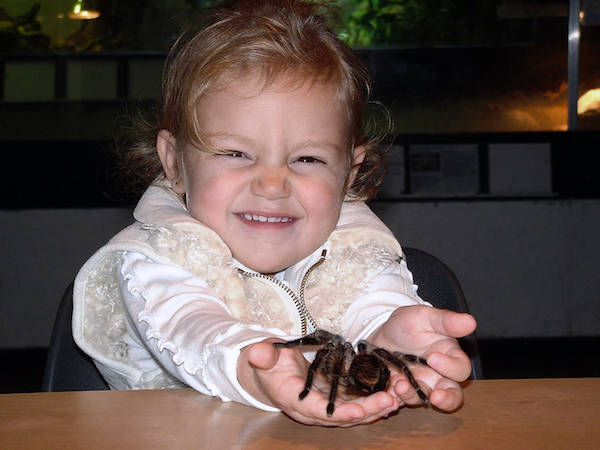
(22, 33)
(422, 22)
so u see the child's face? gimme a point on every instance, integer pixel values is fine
(275, 193)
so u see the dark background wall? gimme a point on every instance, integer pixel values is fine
(485, 174)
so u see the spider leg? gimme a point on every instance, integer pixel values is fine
(333, 361)
(411, 358)
(305, 340)
(362, 346)
(314, 366)
(335, 379)
(397, 359)
(318, 337)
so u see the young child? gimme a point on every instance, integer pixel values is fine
(253, 230)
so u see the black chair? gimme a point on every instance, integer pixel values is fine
(69, 369)
(439, 286)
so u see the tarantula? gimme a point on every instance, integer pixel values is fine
(366, 371)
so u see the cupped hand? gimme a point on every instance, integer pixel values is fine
(430, 333)
(279, 375)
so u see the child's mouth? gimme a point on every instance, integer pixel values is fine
(262, 219)
(258, 218)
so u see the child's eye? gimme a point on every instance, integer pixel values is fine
(234, 154)
(309, 159)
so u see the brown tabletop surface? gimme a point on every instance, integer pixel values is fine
(527, 414)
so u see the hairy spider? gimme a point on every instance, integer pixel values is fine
(366, 371)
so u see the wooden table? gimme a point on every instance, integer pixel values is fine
(523, 414)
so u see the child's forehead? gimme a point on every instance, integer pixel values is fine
(238, 107)
(248, 85)
(232, 88)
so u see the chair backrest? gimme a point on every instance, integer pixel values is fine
(439, 286)
(69, 369)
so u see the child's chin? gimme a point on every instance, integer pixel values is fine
(265, 265)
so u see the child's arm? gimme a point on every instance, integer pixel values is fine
(176, 320)
(390, 314)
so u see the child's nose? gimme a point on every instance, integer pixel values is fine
(271, 183)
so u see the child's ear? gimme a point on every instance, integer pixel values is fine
(167, 152)
(358, 156)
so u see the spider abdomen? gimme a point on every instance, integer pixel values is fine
(368, 373)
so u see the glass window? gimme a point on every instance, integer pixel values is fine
(455, 66)
(441, 66)
(589, 67)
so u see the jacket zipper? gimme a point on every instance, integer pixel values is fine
(298, 300)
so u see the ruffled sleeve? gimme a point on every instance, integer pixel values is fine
(178, 319)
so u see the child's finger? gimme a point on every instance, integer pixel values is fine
(363, 410)
(377, 405)
(263, 355)
(450, 323)
(448, 399)
(313, 410)
(407, 394)
(344, 412)
(454, 364)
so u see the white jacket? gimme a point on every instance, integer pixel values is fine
(164, 303)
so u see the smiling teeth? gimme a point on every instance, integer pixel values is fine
(257, 218)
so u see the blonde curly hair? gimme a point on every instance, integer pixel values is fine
(268, 37)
